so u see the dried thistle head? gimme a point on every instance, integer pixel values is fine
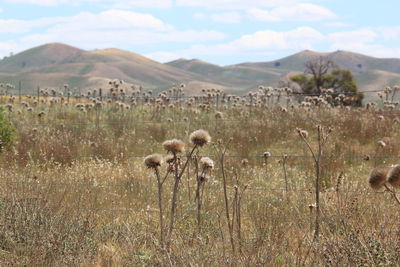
(312, 206)
(378, 177)
(245, 162)
(266, 154)
(218, 115)
(302, 133)
(381, 143)
(200, 137)
(174, 146)
(206, 163)
(153, 161)
(394, 176)
(203, 177)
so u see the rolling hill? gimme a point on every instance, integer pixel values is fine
(55, 64)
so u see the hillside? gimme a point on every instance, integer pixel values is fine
(355, 62)
(55, 64)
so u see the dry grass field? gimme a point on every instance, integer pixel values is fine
(76, 189)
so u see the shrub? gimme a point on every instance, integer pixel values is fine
(7, 131)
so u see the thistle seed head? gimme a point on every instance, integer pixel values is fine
(267, 154)
(153, 161)
(378, 177)
(203, 177)
(381, 143)
(200, 137)
(174, 146)
(206, 163)
(394, 176)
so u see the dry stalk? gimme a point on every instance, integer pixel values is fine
(177, 175)
(322, 138)
(227, 213)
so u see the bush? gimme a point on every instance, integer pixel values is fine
(7, 131)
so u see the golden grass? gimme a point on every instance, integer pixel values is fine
(76, 192)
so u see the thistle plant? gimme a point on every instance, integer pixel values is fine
(386, 177)
(174, 147)
(266, 156)
(154, 162)
(316, 153)
(204, 175)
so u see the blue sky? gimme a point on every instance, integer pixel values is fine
(218, 31)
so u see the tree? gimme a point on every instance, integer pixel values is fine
(317, 77)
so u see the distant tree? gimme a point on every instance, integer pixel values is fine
(324, 74)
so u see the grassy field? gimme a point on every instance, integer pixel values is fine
(76, 192)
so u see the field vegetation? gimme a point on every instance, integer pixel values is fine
(80, 189)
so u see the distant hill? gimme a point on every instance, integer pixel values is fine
(55, 64)
(356, 63)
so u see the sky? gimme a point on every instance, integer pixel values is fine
(222, 32)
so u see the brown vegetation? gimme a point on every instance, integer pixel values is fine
(78, 189)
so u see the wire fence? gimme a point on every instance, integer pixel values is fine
(130, 185)
(365, 157)
(185, 96)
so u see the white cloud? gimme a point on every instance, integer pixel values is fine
(337, 24)
(390, 33)
(298, 12)
(366, 41)
(121, 38)
(258, 43)
(299, 38)
(114, 3)
(39, 2)
(112, 28)
(270, 43)
(111, 19)
(21, 26)
(139, 3)
(162, 56)
(357, 36)
(234, 4)
(227, 17)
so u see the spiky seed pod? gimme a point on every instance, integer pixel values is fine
(245, 162)
(206, 163)
(378, 177)
(200, 137)
(267, 154)
(218, 115)
(203, 177)
(153, 161)
(394, 176)
(381, 143)
(174, 146)
(302, 133)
